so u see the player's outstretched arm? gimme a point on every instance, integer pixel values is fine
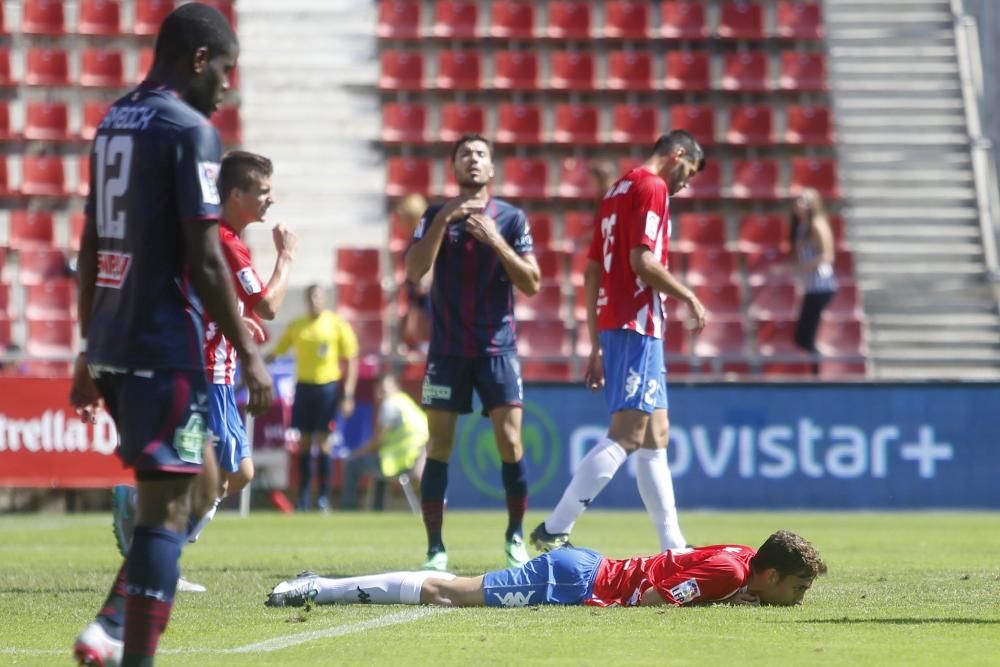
(285, 243)
(654, 274)
(211, 278)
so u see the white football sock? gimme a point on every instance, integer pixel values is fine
(202, 522)
(656, 486)
(388, 588)
(593, 474)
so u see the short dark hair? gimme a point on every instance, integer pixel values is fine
(238, 169)
(469, 138)
(668, 143)
(190, 27)
(790, 555)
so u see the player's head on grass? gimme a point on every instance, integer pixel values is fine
(196, 51)
(315, 299)
(245, 187)
(676, 157)
(472, 162)
(784, 568)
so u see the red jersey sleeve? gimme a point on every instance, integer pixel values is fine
(249, 287)
(648, 213)
(715, 578)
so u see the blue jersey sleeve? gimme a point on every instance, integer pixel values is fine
(196, 170)
(520, 235)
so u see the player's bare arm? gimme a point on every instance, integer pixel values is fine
(594, 372)
(83, 392)
(211, 277)
(420, 257)
(654, 274)
(285, 243)
(350, 384)
(522, 269)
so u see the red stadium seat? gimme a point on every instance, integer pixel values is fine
(149, 14)
(357, 265)
(801, 71)
(458, 70)
(6, 311)
(39, 265)
(99, 17)
(46, 121)
(407, 175)
(576, 124)
(402, 70)
(83, 175)
(547, 304)
(50, 338)
(459, 119)
(572, 70)
(750, 125)
(809, 125)
(51, 300)
(31, 229)
(697, 230)
(525, 177)
(837, 226)
(769, 264)
(3, 22)
(43, 17)
(370, 333)
(46, 67)
(843, 267)
(543, 231)
(6, 335)
(5, 189)
(519, 124)
(403, 123)
(846, 304)
(697, 119)
(569, 19)
(43, 176)
(624, 19)
(552, 264)
(77, 220)
(543, 338)
(755, 179)
(515, 70)
(102, 68)
(47, 368)
(746, 72)
(144, 63)
(635, 124)
(706, 184)
(227, 121)
(577, 230)
(398, 19)
(773, 301)
(512, 19)
(576, 180)
(711, 265)
(450, 188)
(722, 300)
(841, 338)
(6, 134)
(799, 20)
(775, 338)
(93, 113)
(628, 70)
(721, 338)
(455, 19)
(676, 339)
(741, 20)
(360, 298)
(682, 20)
(687, 71)
(815, 173)
(759, 231)
(6, 75)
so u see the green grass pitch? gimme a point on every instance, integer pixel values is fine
(903, 589)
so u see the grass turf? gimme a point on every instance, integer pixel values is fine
(903, 589)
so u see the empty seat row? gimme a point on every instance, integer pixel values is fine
(53, 299)
(516, 19)
(529, 178)
(748, 125)
(37, 265)
(98, 17)
(28, 230)
(44, 338)
(684, 71)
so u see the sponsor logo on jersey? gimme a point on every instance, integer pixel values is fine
(248, 278)
(112, 268)
(514, 598)
(208, 174)
(686, 591)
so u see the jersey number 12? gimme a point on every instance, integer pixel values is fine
(111, 151)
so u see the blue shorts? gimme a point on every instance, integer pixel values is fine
(449, 381)
(635, 376)
(225, 422)
(563, 576)
(315, 406)
(161, 416)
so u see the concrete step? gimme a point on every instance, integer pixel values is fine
(910, 192)
(908, 371)
(946, 86)
(913, 121)
(913, 213)
(915, 174)
(906, 268)
(862, 234)
(982, 337)
(848, 137)
(887, 52)
(947, 354)
(845, 103)
(908, 247)
(940, 320)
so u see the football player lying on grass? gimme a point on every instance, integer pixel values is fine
(778, 573)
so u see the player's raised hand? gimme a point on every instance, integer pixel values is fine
(83, 394)
(697, 314)
(285, 239)
(463, 208)
(593, 374)
(258, 382)
(483, 228)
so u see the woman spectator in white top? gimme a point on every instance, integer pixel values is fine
(812, 253)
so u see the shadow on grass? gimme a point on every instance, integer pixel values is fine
(900, 621)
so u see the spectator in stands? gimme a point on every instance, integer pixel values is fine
(415, 317)
(395, 451)
(812, 253)
(320, 340)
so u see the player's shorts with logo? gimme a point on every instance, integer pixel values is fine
(315, 406)
(563, 576)
(162, 417)
(635, 377)
(225, 422)
(449, 382)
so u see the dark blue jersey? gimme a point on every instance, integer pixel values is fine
(472, 297)
(153, 166)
